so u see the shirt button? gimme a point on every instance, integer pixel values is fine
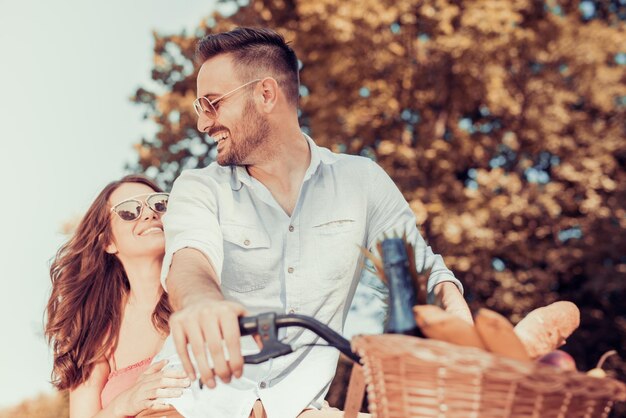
(262, 385)
(291, 228)
(290, 270)
(246, 242)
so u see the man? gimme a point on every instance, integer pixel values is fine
(274, 225)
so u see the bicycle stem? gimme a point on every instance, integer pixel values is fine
(266, 325)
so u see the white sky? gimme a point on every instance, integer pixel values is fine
(67, 69)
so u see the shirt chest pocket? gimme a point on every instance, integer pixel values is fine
(336, 247)
(246, 258)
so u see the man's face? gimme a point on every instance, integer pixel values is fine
(239, 128)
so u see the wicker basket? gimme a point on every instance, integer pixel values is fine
(414, 377)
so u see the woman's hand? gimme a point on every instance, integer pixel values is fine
(154, 384)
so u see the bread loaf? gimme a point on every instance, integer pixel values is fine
(545, 329)
(498, 336)
(438, 324)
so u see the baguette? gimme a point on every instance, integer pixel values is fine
(440, 325)
(497, 334)
(545, 329)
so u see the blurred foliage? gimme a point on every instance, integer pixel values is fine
(43, 406)
(503, 123)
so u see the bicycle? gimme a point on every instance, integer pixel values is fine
(416, 377)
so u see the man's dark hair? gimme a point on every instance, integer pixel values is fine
(257, 53)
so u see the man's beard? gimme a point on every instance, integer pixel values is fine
(251, 134)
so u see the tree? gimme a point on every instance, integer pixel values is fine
(503, 123)
(53, 405)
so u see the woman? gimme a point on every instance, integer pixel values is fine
(107, 314)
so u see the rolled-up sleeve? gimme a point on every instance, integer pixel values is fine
(191, 221)
(391, 215)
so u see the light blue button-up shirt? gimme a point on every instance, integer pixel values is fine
(307, 263)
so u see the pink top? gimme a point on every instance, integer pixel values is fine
(120, 380)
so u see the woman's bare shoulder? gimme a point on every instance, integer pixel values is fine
(85, 398)
(98, 376)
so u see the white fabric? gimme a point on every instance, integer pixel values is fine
(307, 263)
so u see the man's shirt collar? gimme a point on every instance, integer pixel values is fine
(318, 156)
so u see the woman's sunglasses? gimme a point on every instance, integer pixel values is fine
(131, 209)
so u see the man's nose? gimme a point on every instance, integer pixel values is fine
(205, 123)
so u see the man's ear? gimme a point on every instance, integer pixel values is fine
(269, 94)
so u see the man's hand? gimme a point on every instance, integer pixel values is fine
(214, 325)
(448, 296)
(203, 319)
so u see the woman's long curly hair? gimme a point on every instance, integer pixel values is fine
(89, 285)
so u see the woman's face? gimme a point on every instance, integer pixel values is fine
(141, 238)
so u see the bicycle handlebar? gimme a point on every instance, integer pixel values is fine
(267, 324)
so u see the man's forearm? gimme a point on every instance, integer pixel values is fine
(191, 277)
(203, 321)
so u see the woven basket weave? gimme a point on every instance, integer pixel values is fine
(414, 377)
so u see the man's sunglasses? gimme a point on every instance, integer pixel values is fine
(131, 209)
(209, 108)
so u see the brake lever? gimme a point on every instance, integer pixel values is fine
(272, 347)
